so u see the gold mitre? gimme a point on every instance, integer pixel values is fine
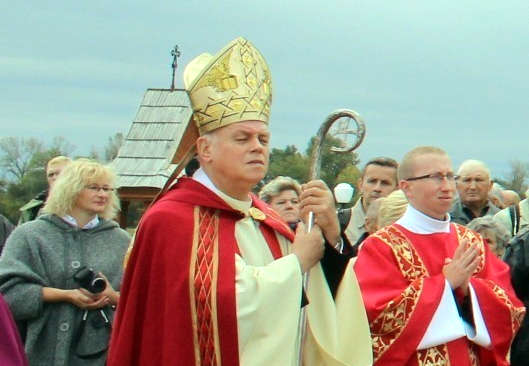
(230, 87)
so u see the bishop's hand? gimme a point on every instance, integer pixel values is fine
(308, 247)
(316, 197)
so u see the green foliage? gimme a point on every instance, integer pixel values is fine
(335, 167)
(350, 174)
(333, 163)
(289, 162)
(23, 162)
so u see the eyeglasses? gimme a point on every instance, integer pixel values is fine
(436, 177)
(96, 189)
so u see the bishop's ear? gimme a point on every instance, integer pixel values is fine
(204, 148)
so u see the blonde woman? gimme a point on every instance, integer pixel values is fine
(68, 319)
(391, 208)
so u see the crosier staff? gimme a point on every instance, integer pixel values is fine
(351, 137)
(342, 128)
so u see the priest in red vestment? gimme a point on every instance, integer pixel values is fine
(215, 276)
(434, 292)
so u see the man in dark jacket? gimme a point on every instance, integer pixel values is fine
(5, 229)
(31, 210)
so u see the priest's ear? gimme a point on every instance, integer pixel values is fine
(404, 185)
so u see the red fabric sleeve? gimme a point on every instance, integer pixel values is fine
(501, 309)
(398, 310)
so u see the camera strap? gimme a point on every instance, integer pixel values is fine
(98, 322)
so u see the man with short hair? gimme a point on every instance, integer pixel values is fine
(473, 186)
(434, 292)
(514, 218)
(31, 210)
(510, 197)
(216, 276)
(379, 179)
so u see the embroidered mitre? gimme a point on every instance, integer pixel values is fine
(232, 86)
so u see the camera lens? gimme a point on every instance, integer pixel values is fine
(98, 285)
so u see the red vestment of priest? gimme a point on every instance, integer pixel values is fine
(178, 303)
(400, 276)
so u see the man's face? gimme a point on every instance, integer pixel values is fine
(473, 186)
(430, 196)
(378, 181)
(238, 153)
(52, 172)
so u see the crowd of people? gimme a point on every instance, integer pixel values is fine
(412, 274)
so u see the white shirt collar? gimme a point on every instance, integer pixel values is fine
(242, 206)
(89, 225)
(419, 223)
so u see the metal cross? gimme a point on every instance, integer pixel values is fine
(175, 53)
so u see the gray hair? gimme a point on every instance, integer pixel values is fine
(469, 164)
(278, 185)
(483, 223)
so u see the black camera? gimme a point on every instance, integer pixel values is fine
(88, 279)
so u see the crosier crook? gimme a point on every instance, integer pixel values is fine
(359, 131)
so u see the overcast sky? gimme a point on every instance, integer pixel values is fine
(449, 73)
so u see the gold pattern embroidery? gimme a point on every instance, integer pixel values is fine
(388, 326)
(236, 86)
(517, 313)
(465, 234)
(473, 354)
(390, 323)
(203, 287)
(219, 76)
(433, 356)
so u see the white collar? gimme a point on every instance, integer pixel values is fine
(419, 223)
(242, 206)
(89, 225)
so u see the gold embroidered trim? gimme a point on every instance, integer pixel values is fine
(203, 287)
(390, 323)
(410, 264)
(517, 313)
(434, 356)
(465, 234)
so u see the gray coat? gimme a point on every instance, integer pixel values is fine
(47, 252)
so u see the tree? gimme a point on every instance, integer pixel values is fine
(290, 162)
(23, 161)
(113, 145)
(17, 154)
(333, 163)
(517, 178)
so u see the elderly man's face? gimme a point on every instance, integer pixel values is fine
(239, 152)
(431, 196)
(473, 186)
(378, 181)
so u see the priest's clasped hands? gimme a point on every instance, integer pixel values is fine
(459, 269)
